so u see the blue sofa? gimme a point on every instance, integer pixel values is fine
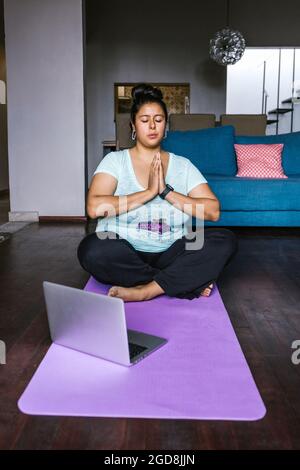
(244, 201)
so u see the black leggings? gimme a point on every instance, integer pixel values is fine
(180, 272)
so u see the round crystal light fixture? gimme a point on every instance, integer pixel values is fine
(227, 46)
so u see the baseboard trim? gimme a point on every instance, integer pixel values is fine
(62, 218)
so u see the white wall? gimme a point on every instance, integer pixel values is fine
(3, 149)
(245, 85)
(3, 114)
(45, 98)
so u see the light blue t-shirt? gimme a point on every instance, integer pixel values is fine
(155, 225)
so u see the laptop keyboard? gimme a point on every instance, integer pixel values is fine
(135, 349)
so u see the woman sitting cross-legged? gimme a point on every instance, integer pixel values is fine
(145, 199)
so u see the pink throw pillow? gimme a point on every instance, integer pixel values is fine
(259, 160)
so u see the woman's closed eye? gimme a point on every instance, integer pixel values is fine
(156, 120)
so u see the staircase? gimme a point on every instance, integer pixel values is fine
(279, 111)
(291, 101)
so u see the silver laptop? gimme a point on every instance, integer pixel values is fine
(95, 324)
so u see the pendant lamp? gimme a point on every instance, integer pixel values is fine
(228, 45)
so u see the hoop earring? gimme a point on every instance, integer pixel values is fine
(133, 134)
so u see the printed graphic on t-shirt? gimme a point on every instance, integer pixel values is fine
(156, 225)
(151, 222)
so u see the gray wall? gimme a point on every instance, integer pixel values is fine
(44, 64)
(141, 41)
(3, 111)
(168, 42)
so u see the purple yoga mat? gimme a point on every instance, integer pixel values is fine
(201, 373)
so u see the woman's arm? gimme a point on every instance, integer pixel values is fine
(192, 203)
(200, 202)
(101, 202)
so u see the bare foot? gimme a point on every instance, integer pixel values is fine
(207, 291)
(136, 293)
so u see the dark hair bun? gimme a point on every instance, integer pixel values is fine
(143, 91)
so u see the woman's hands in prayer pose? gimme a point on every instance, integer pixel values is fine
(156, 182)
(161, 176)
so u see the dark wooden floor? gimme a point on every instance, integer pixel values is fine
(261, 290)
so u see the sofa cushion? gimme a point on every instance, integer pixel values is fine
(211, 150)
(251, 194)
(259, 160)
(291, 149)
